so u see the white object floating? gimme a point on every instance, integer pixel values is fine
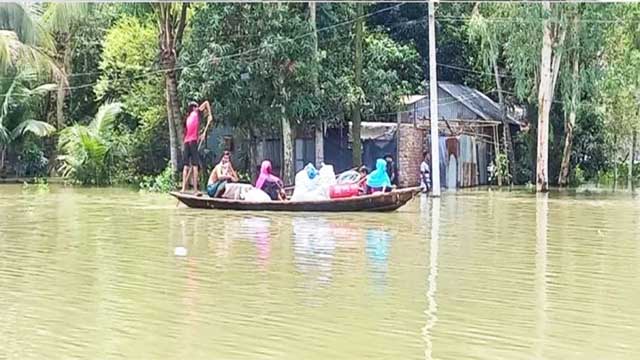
(180, 251)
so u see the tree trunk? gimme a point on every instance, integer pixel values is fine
(507, 142)
(570, 122)
(172, 27)
(355, 115)
(3, 154)
(173, 120)
(287, 150)
(60, 105)
(553, 36)
(632, 153)
(63, 83)
(253, 165)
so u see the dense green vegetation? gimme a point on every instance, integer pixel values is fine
(97, 93)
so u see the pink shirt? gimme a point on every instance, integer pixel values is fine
(193, 123)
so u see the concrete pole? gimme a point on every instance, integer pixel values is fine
(433, 98)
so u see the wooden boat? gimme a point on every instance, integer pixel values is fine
(376, 202)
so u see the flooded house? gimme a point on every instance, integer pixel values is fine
(471, 127)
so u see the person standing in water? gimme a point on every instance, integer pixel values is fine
(425, 173)
(190, 154)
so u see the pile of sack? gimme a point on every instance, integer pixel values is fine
(315, 185)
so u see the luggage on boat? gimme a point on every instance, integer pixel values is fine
(306, 185)
(326, 179)
(340, 191)
(256, 195)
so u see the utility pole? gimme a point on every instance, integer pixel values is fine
(319, 133)
(433, 107)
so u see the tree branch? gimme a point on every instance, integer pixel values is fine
(182, 23)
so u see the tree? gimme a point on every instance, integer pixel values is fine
(126, 78)
(62, 20)
(89, 152)
(24, 41)
(172, 21)
(257, 76)
(356, 110)
(620, 88)
(17, 112)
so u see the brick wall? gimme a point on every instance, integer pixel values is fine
(410, 147)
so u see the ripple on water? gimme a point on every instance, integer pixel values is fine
(92, 273)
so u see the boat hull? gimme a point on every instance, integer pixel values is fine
(377, 202)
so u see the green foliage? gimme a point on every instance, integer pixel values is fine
(24, 39)
(90, 153)
(502, 162)
(577, 177)
(31, 159)
(21, 99)
(250, 71)
(127, 58)
(86, 43)
(164, 182)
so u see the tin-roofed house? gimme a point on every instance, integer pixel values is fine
(471, 127)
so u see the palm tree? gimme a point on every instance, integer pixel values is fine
(88, 152)
(24, 41)
(16, 114)
(61, 20)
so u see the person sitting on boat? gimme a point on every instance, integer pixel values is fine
(363, 171)
(221, 174)
(269, 183)
(379, 180)
(392, 169)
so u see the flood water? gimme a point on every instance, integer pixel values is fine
(116, 274)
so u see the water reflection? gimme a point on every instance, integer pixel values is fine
(432, 286)
(313, 248)
(259, 227)
(378, 242)
(542, 210)
(501, 275)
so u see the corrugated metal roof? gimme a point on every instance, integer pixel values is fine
(473, 99)
(375, 130)
(410, 99)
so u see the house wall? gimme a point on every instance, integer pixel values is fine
(411, 146)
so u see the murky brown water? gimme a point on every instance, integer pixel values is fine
(92, 274)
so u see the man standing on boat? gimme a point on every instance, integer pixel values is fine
(190, 152)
